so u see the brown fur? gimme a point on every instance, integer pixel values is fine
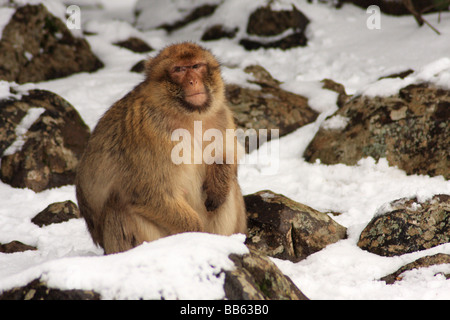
(129, 190)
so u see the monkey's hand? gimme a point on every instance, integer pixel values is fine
(217, 185)
(212, 204)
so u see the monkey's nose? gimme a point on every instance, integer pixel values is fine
(193, 82)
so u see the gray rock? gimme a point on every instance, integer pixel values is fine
(266, 26)
(56, 213)
(53, 144)
(268, 108)
(424, 262)
(258, 278)
(219, 31)
(408, 226)
(36, 46)
(282, 228)
(410, 129)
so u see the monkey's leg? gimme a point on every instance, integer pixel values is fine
(217, 184)
(126, 230)
(126, 226)
(172, 214)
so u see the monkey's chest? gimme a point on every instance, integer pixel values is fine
(190, 180)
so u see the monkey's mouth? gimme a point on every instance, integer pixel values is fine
(197, 99)
(195, 94)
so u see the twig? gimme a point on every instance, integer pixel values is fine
(420, 20)
(438, 6)
(432, 28)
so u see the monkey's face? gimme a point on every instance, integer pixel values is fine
(190, 76)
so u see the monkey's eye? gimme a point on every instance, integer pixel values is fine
(177, 69)
(198, 65)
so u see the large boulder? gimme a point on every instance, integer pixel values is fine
(282, 228)
(37, 46)
(51, 147)
(410, 129)
(408, 225)
(269, 108)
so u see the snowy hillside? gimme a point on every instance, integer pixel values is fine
(340, 47)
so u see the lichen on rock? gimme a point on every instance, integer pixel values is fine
(410, 129)
(408, 226)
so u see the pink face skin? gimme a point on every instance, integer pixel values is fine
(190, 76)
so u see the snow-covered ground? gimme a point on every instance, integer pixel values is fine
(340, 47)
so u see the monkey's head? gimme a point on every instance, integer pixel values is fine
(188, 75)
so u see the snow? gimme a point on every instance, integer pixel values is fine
(5, 16)
(336, 122)
(167, 268)
(341, 48)
(32, 115)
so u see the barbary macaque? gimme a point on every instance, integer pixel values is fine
(128, 187)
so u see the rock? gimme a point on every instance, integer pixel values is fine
(408, 226)
(258, 278)
(53, 144)
(424, 262)
(15, 246)
(282, 228)
(139, 67)
(56, 213)
(401, 75)
(218, 31)
(135, 44)
(410, 129)
(271, 28)
(343, 97)
(268, 108)
(37, 46)
(37, 290)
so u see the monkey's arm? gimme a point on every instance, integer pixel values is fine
(217, 184)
